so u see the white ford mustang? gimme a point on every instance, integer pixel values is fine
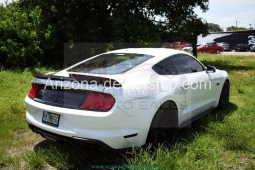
(125, 98)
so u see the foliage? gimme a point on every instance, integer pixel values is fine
(23, 42)
(233, 28)
(35, 32)
(214, 27)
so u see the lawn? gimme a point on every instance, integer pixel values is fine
(220, 140)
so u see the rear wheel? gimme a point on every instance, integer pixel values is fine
(218, 52)
(164, 125)
(224, 97)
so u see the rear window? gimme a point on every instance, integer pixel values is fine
(111, 63)
(240, 45)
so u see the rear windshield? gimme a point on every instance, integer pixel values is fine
(111, 63)
(240, 45)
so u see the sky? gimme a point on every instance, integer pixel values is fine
(225, 13)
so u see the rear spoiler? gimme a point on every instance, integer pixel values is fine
(81, 79)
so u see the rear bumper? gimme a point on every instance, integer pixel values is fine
(79, 143)
(114, 129)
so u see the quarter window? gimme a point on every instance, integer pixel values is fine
(164, 67)
(186, 64)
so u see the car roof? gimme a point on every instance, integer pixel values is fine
(158, 52)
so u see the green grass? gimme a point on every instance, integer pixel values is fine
(220, 140)
(35, 159)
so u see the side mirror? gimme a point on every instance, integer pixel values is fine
(210, 69)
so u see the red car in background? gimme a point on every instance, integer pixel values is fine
(176, 45)
(210, 48)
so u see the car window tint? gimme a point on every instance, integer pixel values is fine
(111, 63)
(164, 67)
(186, 64)
(180, 64)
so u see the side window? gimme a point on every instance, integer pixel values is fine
(213, 45)
(194, 64)
(164, 67)
(185, 64)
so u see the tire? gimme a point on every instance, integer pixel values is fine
(200, 52)
(224, 96)
(164, 126)
(236, 50)
(217, 51)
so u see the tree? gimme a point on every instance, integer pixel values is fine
(107, 21)
(233, 28)
(22, 39)
(214, 27)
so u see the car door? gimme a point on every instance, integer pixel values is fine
(198, 88)
(213, 49)
(169, 82)
(206, 49)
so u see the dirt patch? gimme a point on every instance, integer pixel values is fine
(23, 141)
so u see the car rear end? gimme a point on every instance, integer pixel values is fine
(74, 109)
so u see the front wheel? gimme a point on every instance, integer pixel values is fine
(164, 125)
(218, 52)
(224, 97)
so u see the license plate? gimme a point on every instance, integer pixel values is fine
(51, 118)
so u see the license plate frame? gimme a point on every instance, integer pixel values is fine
(51, 118)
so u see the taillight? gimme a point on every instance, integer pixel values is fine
(33, 91)
(98, 101)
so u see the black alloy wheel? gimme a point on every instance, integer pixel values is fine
(164, 125)
(224, 97)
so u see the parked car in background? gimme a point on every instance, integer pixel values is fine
(210, 48)
(167, 45)
(189, 49)
(241, 47)
(178, 45)
(252, 48)
(224, 45)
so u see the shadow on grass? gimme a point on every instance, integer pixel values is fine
(201, 125)
(65, 156)
(62, 155)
